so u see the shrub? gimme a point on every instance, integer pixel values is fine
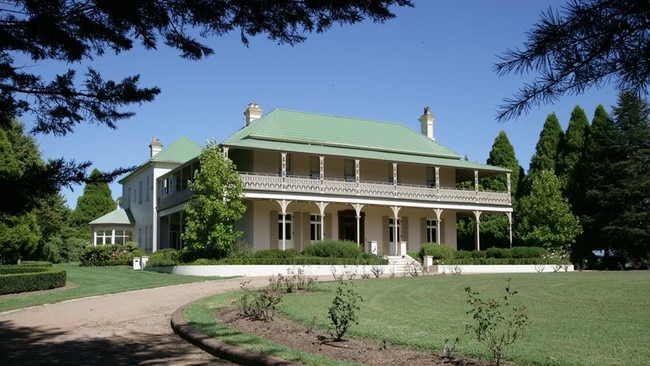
(276, 253)
(478, 254)
(496, 322)
(498, 253)
(14, 279)
(258, 304)
(343, 312)
(414, 255)
(529, 252)
(109, 255)
(163, 258)
(461, 254)
(437, 251)
(333, 249)
(241, 250)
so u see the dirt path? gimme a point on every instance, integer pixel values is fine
(130, 328)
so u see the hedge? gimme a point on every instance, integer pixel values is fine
(501, 261)
(14, 279)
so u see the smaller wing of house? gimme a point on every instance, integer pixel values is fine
(116, 227)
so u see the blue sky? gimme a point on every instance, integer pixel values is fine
(439, 54)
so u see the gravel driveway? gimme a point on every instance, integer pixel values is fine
(129, 328)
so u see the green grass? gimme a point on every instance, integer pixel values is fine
(589, 318)
(93, 281)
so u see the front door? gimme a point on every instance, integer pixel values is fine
(287, 240)
(348, 226)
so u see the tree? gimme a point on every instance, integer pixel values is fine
(19, 236)
(495, 227)
(216, 206)
(544, 216)
(73, 32)
(617, 198)
(571, 151)
(548, 146)
(585, 45)
(95, 202)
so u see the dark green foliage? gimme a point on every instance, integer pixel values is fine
(571, 152)
(478, 254)
(616, 212)
(528, 252)
(14, 279)
(548, 146)
(19, 236)
(305, 260)
(544, 216)
(498, 253)
(109, 255)
(344, 309)
(583, 44)
(276, 253)
(502, 154)
(95, 202)
(437, 251)
(216, 205)
(164, 258)
(333, 249)
(462, 254)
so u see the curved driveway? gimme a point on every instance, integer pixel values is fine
(129, 328)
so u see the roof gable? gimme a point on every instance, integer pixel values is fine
(119, 216)
(302, 128)
(178, 152)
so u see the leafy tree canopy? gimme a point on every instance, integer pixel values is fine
(217, 204)
(96, 201)
(71, 31)
(585, 44)
(548, 145)
(545, 217)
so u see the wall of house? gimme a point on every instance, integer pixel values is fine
(447, 177)
(377, 171)
(267, 162)
(411, 174)
(247, 225)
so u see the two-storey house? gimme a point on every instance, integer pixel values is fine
(312, 177)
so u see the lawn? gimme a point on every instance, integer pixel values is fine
(93, 281)
(587, 318)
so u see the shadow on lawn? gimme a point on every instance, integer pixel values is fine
(51, 346)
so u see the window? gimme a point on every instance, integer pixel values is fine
(140, 192)
(431, 177)
(106, 237)
(287, 225)
(432, 227)
(348, 170)
(391, 229)
(148, 187)
(315, 228)
(314, 167)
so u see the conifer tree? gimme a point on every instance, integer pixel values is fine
(571, 151)
(95, 202)
(548, 146)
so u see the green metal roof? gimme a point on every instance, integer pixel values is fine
(118, 216)
(179, 151)
(312, 133)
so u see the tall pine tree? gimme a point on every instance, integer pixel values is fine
(548, 146)
(571, 151)
(96, 201)
(617, 179)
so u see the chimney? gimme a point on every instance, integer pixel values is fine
(156, 146)
(426, 123)
(252, 113)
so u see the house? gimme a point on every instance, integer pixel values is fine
(310, 177)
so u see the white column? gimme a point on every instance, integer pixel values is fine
(395, 174)
(225, 151)
(321, 160)
(509, 214)
(395, 210)
(476, 181)
(321, 208)
(438, 224)
(477, 215)
(437, 177)
(357, 209)
(283, 206)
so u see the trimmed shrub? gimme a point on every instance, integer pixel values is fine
(241, 250)
(163, 258)
(304, 260)
(460, 254)
(333, 249)
(478, 254)
(109, 255)
(498, 253)
(528, 252)
(276, 253)
(437, 251)
(14, 279)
